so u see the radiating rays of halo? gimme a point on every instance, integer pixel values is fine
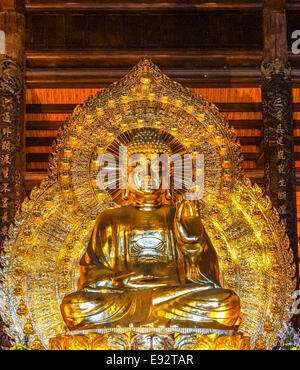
(178, 183)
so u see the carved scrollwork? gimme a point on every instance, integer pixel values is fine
(276, 67)
(10, 77)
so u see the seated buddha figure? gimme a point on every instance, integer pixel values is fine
(150, 263)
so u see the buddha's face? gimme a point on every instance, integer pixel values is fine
(147, 176)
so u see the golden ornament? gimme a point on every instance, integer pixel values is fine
(241, 223)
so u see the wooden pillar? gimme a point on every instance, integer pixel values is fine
(278, 139)
(12, 156)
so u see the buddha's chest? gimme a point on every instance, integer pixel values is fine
(146, 240)
(150, 246)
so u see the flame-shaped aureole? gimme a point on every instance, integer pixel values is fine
(52, 231)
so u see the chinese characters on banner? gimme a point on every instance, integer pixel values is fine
(11, 129)
(278, 141)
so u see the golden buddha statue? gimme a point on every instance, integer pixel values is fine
(150, 263)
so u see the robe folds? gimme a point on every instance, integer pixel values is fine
(134, 272)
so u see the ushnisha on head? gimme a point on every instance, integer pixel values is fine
(148, 141)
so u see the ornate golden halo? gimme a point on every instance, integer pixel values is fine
(51, 232)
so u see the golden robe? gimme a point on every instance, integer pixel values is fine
(134, 272)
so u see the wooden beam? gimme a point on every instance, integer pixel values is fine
(100, 68)
(92, 77)
(170, 58)
(250, 156)
(37, 157)
(82, 77)
(297, 140)
(43, 125)
(50, 108)
(295, 73)
(39, 141)
(247, 124)
(79, 5)
(249, 140)
(146, 5)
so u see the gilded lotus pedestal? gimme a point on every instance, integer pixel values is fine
(155, 340)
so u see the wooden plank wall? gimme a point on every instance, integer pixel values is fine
(45, 114)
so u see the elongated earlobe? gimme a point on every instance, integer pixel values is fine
(168, 194)
(126, 194)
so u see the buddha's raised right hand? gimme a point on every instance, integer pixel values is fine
(189, 229)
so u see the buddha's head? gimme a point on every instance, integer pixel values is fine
(148, 167)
